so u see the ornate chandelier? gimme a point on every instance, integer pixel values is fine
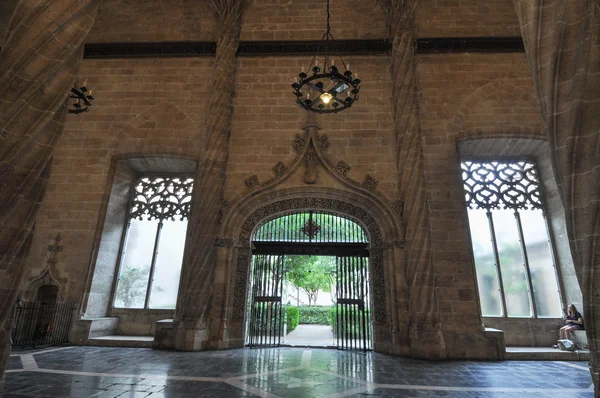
(83, 98)
(327, 90)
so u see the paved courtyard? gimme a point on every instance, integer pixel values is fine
(280, 372)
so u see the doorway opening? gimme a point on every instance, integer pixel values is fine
(310, 283)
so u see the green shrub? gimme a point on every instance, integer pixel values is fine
(293, 316)
(353, 314)
(314, 315)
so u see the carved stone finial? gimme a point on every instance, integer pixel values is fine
(252, 182)
(54, 249)
(311, 174)
(370, 183)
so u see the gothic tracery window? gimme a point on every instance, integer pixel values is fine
(514, 262)
(152, 251)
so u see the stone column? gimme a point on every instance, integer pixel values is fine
(424, 328)
(562, 41)
(38, 66)
(198, 274)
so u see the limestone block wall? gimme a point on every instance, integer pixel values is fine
(142, 106)
(153, 21)
(466, 18)
(266, 120)
(468, 96)
(159, 106)
(189, 20)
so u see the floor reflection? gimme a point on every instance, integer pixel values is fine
(279, 372)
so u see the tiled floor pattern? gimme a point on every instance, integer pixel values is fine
(280, 372)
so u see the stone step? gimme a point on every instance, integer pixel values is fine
(122, 341)
(545, 354)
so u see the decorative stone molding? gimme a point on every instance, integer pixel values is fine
(311, 161)
(54, 249)
(324, 142)
(370, 183)
(224, 242)
(342, 168)
(398, 207)
(348, 209)
(299, 143)
(279, 169)
(252, 182)
(44, 278)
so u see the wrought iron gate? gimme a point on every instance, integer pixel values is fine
(265, 325)
(41, 323)
(352, 312)
(314, 234)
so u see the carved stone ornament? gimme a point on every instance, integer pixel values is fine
(54, 249)
(398, 207)
(324, 143)
(44, 278)
(370, 183)
(501, 185)
(279, 169)
(342, 168)
(375, 258)
(252, 182)
(224, 242)
(299, 143)
(162, 198)
(311, 161)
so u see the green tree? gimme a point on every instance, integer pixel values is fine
(310, 274)
(132, 286)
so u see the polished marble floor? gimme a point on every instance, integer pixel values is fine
(280, 372)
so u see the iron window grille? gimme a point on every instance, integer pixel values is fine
(154, 200)
(497, 187)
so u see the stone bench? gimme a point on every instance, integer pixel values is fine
(580, 339)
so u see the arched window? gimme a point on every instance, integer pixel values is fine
(152, 253)
(513, 252)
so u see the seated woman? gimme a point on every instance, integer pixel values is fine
(573, 321)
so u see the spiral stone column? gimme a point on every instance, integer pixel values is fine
(38, 66)
(197, 286)
(426, 338)
(562, 42)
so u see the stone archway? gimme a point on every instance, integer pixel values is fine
(241, 262)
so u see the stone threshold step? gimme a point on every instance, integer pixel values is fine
(122, 341)
(545, 354)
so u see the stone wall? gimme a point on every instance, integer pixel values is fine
(467, 18)
(266, 120)
(159, 106)
(142, 106)
(465, 95)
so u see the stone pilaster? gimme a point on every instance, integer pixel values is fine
(562, 41)
(424, 329)
(38, 66)
(199, 265)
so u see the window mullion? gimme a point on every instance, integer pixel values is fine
(559, 279)
(526, 263)
(153, 264)
(497, 261)
(120, 257)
